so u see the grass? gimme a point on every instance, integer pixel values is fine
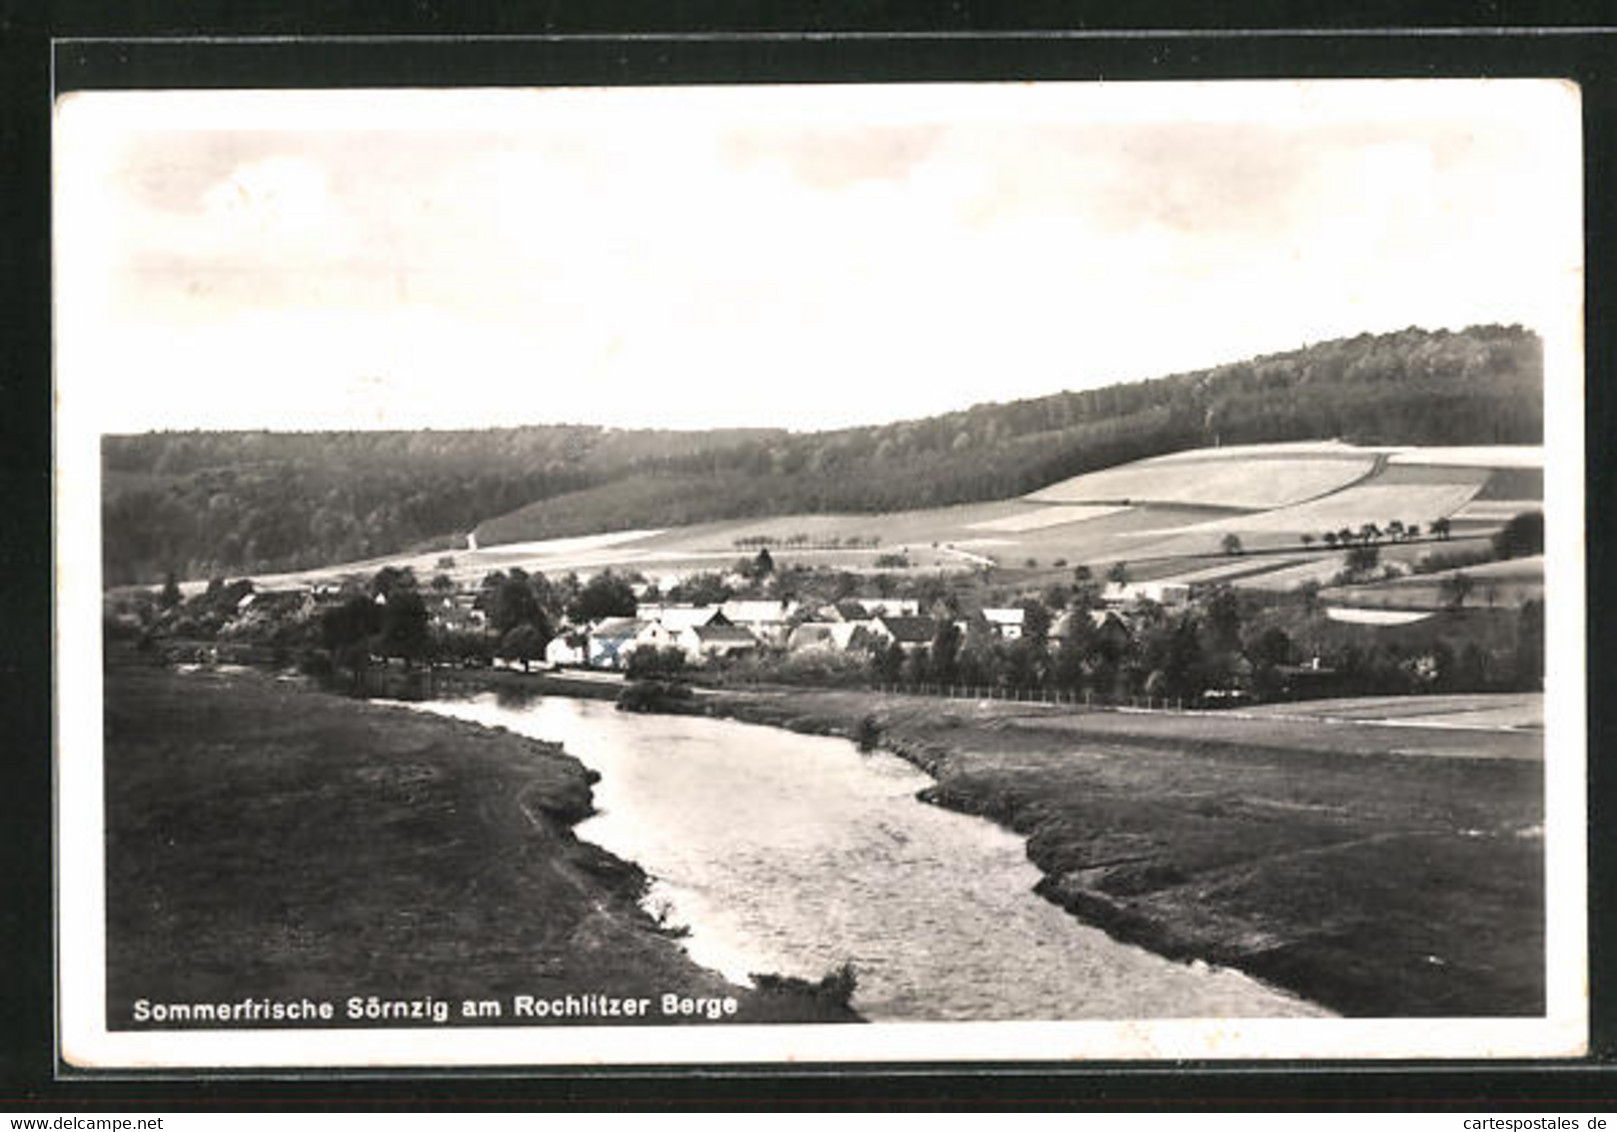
(1377, 870)
(266, 839)
(1258, 484)
(1505, 583)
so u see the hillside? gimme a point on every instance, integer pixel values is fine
(206, 503)
(1480, 386)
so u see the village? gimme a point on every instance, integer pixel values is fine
(1193, 644)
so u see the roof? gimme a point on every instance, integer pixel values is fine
(910, 630)
(677, 617)
(1005, 616)
(619, 627)
(755, 611)
(850, 610)
(812, 632)
(722, 634)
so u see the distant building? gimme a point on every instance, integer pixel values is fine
(1108, 626)
(567, 649)
(703, 643)
(676, 618)
(848, 609)
(457, 613)
(815, 635)
(1163, 593)
(612, 640)
(765, 620)
(892, 606)
(909, 633)
(1007, 623)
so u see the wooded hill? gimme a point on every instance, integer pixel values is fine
(207, 503)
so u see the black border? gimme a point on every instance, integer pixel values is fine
(264, 44)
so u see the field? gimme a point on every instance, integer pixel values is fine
(1053, 516)
(1183, 508)
(1503, 456)
(1255, 484)
(1493, 583)
(1504, 711)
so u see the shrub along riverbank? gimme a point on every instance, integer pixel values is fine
(266, 840)
(1378, 871)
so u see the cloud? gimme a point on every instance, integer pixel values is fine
(718, 262)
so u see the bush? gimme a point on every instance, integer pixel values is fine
(653, 664)
(1522, 537)
(1438, 561)
(835, 989)
(654, 695)
(869, 734)
(317, 664)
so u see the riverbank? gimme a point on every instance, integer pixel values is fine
(1376, 870)
(268, 840)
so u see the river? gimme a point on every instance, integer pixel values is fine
(794, 854)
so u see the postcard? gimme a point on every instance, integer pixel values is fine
(731, 575)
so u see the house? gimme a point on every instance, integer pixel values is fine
(612, 640)
(703, 643)
(1006, 623)
(892, 606)
(909, 633)
(676, 618)
(815, 635)
(569, 648)
(457, 612)
(1311, 680)
(848, 609)
(1163, 593)
(765, 620)
(1109, 628)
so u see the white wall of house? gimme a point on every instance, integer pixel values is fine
(558, 651)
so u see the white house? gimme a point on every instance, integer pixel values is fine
(561, 651)
(704, 642)
(1005, 622)
(819, 635)
(612, 640)
(1163, 593)
(676, 618)
(765, 620)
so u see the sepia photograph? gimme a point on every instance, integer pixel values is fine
(1050, 571)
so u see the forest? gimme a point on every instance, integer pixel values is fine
(208, 503)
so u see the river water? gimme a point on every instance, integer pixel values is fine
(794, 854)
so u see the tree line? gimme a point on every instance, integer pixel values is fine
(205, 503)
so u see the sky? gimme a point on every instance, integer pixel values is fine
(800, 257)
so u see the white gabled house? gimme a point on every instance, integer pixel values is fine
(675, 618)
(1006, 623)
(612, 640)
(703, 643)
(765, 620)
(569, 648)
